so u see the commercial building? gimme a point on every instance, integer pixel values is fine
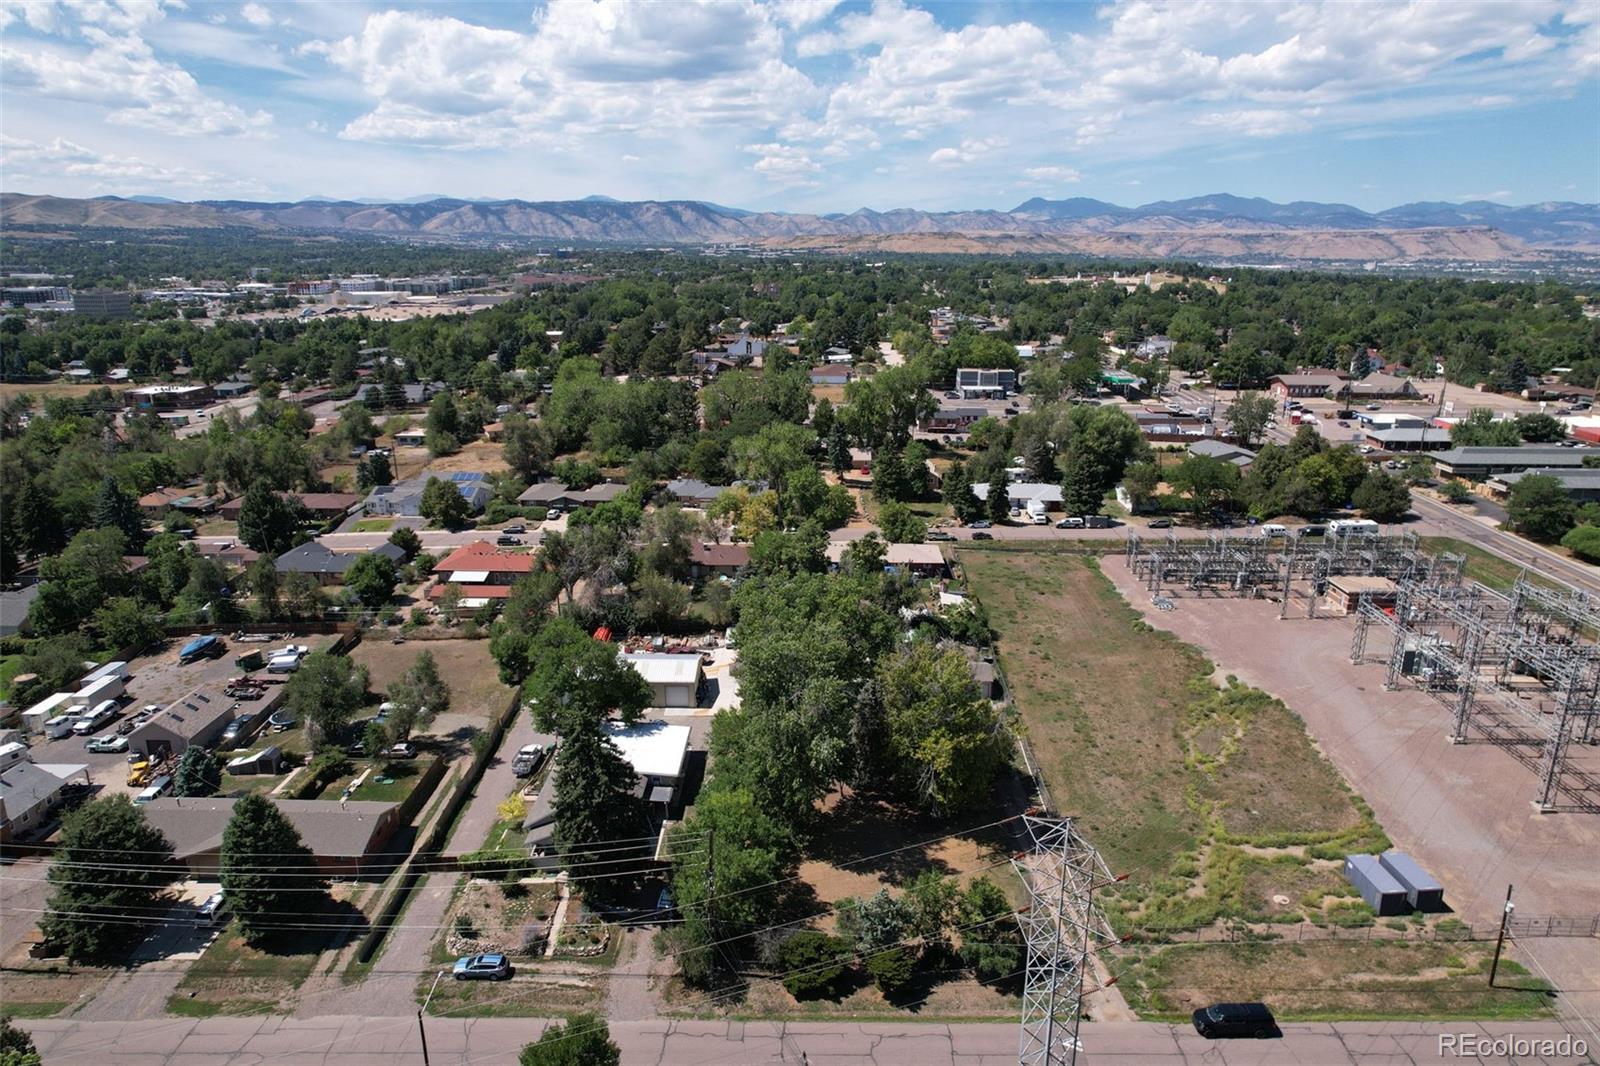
(168, 397)
(345, 838)
(1384, 387)
(1310, 384)
(975, 383)
(1212, 448)
(103, 303)
(1582, 484)
(674, 680)
(1409, 438)
(1477, 463)
(33, 295)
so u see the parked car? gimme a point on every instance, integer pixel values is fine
(1343, 423)
(505, 541)
(1374, 406)
(1235, 1019)
(1070, 523)
(211, 910)
(483, 968)
(403, 750)
(952, 396)
(981, 535)
(528, 759)
(106, 745)
(982, 523)
(1160, 523)
(938, 534)
(518, 528)
(552, 514)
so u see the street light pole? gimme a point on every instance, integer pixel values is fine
(1505, 918)
(421, 1032)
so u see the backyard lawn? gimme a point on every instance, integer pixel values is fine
(466, 666)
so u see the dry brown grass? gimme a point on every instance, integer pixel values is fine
(466, 666)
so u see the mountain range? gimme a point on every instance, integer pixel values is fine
(1215, 226)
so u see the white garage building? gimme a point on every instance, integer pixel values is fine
(674, 680)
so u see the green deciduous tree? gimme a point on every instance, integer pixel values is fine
(269, 876)
(946, 744)
(900, 524)
(1382, 497)
(371, 579)
(1538, 506)
(991, 942)
(125, 622)
(106, 875)
(1209, 483)
(443, 504)
(1248, 417)
(583, 1040)
(1584, 542)
(324, 693)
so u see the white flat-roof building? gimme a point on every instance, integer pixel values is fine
(657, 752)
(674, 680)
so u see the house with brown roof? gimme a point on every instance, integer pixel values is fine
(188, 499)
(345, 837)
(1309, 384)
(833, 374)
(717, 560)
(321, 506)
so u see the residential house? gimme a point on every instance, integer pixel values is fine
(405, 497)
(411, 437)
(226, 551)
(717, 560)
(658, 753)
(977, 383)
(30, 793)
(1213, 448)
(326, 565)
(674, 680)
(555, 494)
(483, 572)
(190, 500)
(1309, 384)
(691, 492)
(832, 375)
(923, 560)
(1156, 346)
(168, 397)
(321, 506)
(1021, 492)
(952, 419)
(417, 393)
(837, 356)
(345, 838)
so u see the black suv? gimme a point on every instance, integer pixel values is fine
(1235, 1019)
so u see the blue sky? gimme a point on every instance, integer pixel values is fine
(804, 104)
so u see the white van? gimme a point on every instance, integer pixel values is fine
(13, 753)
(1272, 529)
(56, 728)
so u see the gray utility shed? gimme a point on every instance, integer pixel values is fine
(1422, 891)
(1377, 886)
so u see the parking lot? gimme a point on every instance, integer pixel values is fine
(155, 680)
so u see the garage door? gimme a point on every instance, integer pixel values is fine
(680, 696)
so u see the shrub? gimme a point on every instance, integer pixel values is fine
(1584, 542)
(892, 971)
(814, 963)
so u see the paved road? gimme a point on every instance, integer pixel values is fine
(356, 1041)
(1481, 532)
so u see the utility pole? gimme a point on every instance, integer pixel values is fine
(421, 1032)
(1500, 943)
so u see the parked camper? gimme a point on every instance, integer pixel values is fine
(1097, 521)
(59, 727)
(1352, 527)
(13, 753)
(35, 717)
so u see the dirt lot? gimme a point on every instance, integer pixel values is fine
(1335, 980)
(466, 666)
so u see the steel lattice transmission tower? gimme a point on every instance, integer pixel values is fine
(1063, 927)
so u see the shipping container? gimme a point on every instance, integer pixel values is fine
(1377, 886)
(1422, 891)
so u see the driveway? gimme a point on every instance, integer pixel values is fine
(472, 828)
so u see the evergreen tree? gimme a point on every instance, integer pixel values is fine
(1041, 461)
(199, 773)
(35, 521)
(116, 509)
(16, 1046)
(394, 390)
(957, 492)
(594, 798)
(268, 522)
(108, 872)
(997, 504)
(269, 876)
(838, 449)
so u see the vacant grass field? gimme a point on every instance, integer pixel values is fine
(1335, 980)
(465, 665)
(1484, 566)
(1212, 800)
